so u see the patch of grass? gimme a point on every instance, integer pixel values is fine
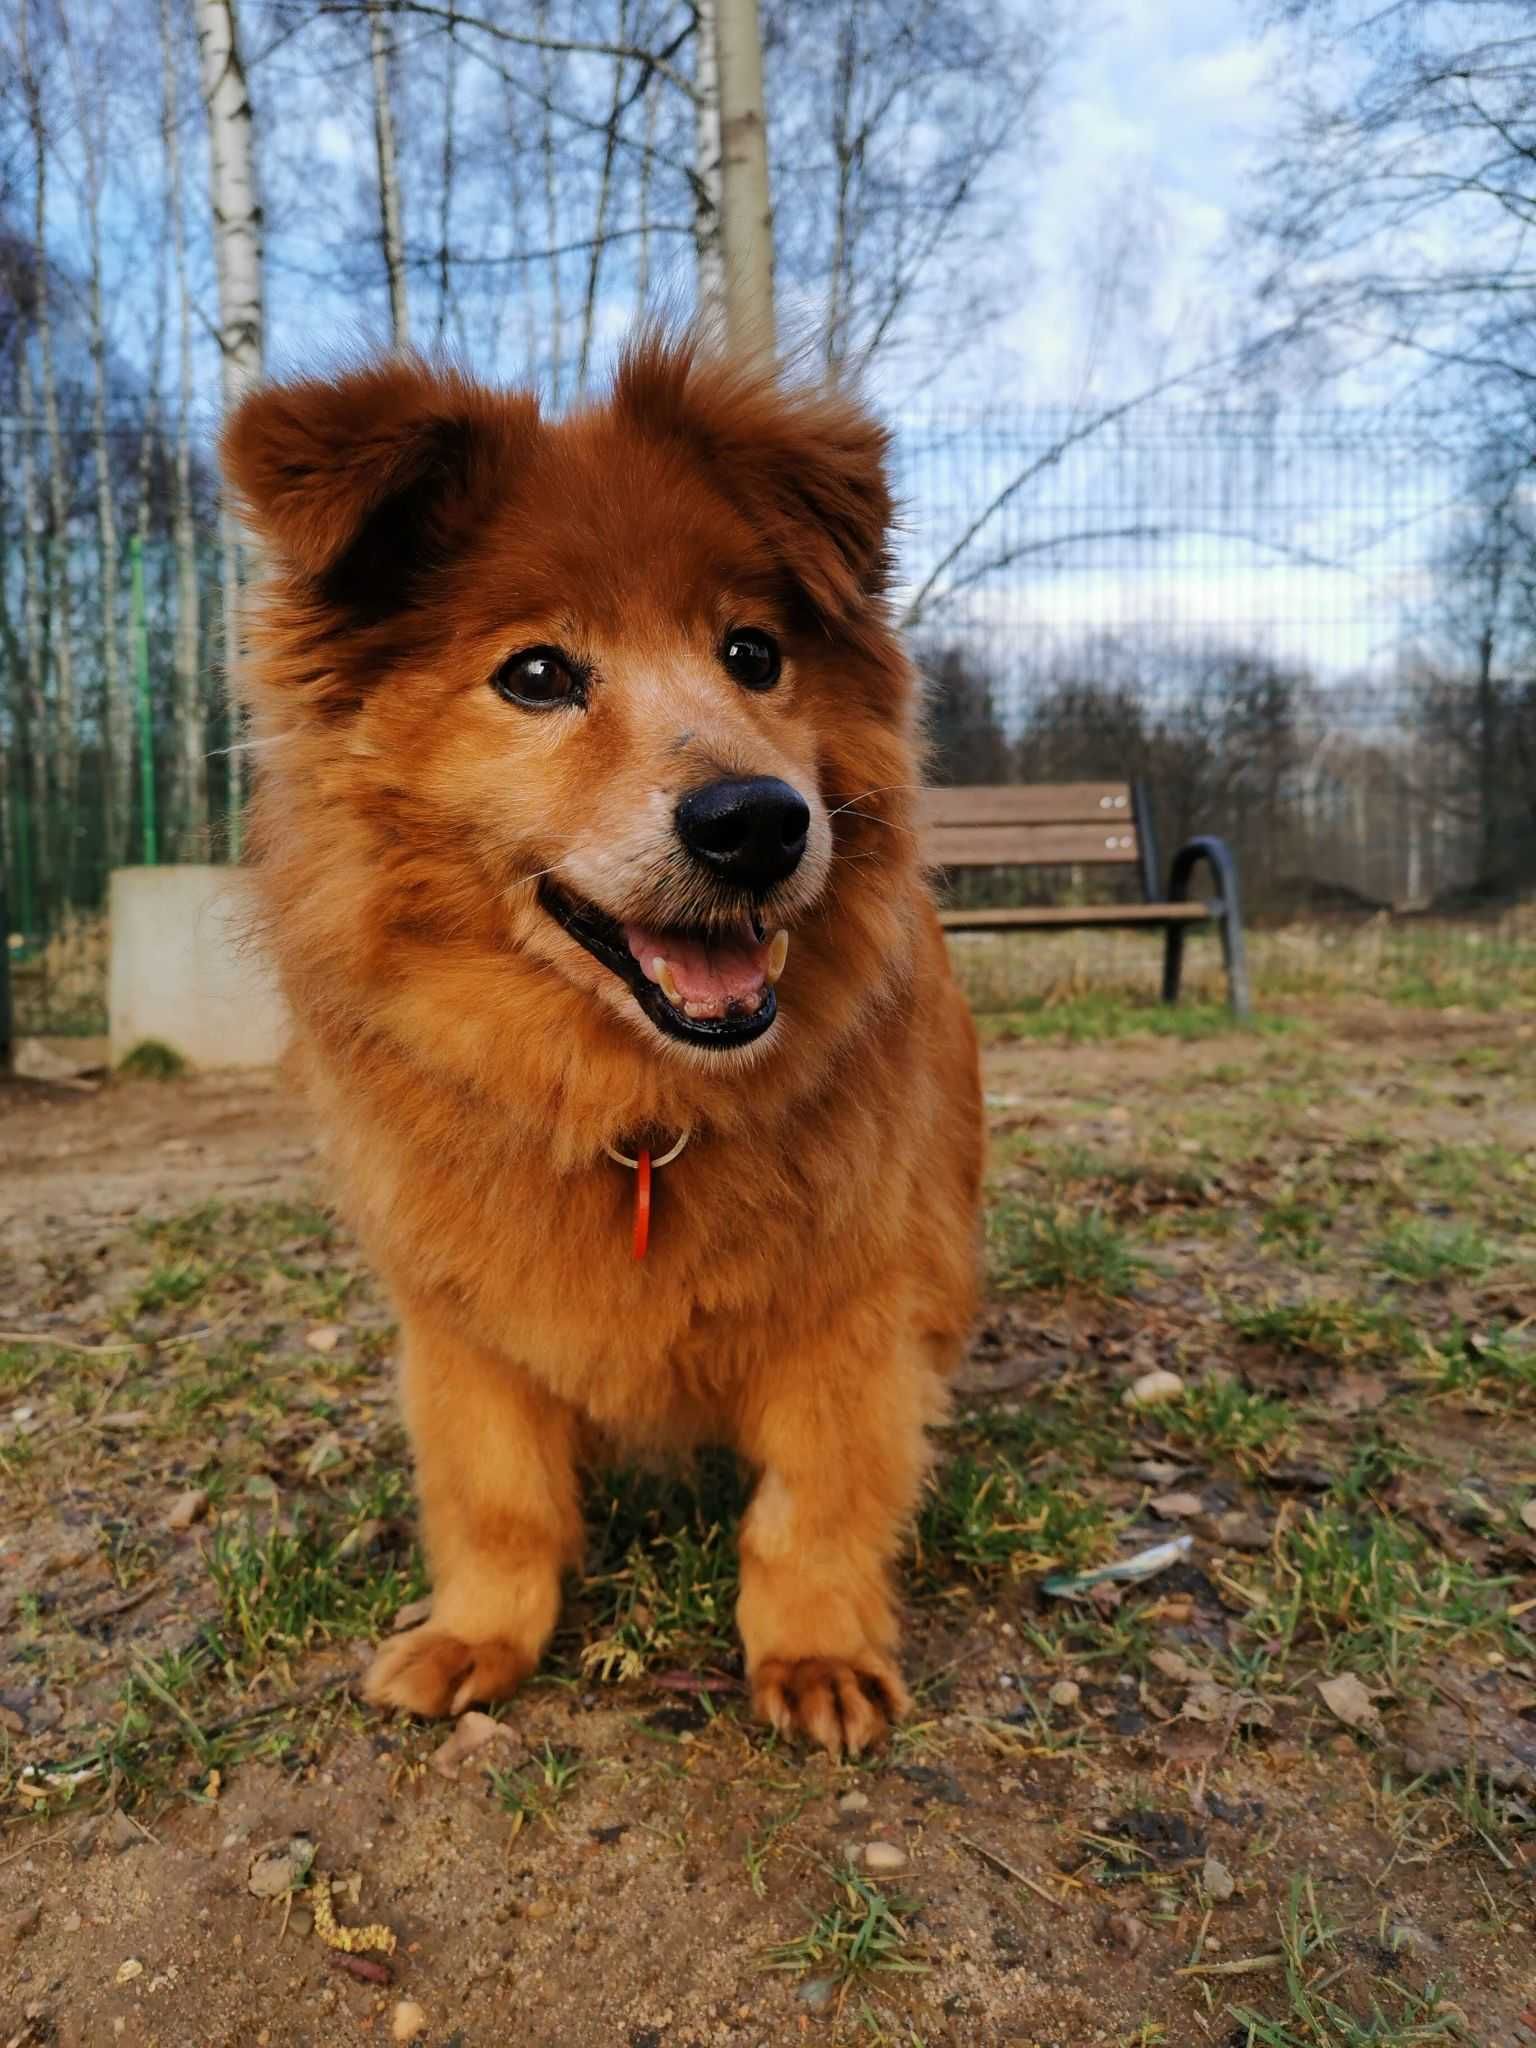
(152, 1060)
(862, 1934)
(285, 1589)
(1224, 1416)
(536, 1788)
(1321, 1328)
(1490, 1364)
(1425, 1252)
(1366, 1592)
(664, 1571)
(1314, 2017)
(1035, 1247)
(988, 1519)
(171, 1286)
(1093, 1017)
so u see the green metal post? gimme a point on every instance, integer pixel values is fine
(146, 709)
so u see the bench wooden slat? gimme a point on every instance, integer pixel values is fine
(1058, 803)
(1042, 917)
(987, 846)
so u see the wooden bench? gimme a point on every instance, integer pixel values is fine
(1086, 824)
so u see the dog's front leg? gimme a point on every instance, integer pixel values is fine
(495, 1470)
(838, 1441)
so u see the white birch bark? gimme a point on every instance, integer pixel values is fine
(708, 246)
(391, 232)
(189, 762)
(64, 738)
(116, 723)
(38, 735)
(600, 217)
(237, 249)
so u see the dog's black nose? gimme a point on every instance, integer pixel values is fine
(749, 832)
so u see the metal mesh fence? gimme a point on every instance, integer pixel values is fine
(1306, 632)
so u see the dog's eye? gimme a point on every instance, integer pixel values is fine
(538, 679)
(751, 658)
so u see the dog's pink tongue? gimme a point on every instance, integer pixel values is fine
(731, 969)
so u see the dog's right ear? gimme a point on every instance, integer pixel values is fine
(363, 482)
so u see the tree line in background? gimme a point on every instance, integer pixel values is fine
(183, 180)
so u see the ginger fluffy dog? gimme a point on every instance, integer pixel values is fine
(584, 818)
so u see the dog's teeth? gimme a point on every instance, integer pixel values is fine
(701, 1009)
(778, 953)
(665, 979)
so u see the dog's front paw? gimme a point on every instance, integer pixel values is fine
(845, 1704)
(427, 1671)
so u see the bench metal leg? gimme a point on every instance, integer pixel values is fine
(1227, 912)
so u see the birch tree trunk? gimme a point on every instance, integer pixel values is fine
(746, 205)
(237, 250)
(38, 736)
(391, 233)
(189, 756)
(604, 195)
(709, 249)
(445, 201)
(63, 741)
(116, 724)
(551, 202)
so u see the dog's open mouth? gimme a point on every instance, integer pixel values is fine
(706, 987)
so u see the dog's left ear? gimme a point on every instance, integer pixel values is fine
(363, 482)
(806, 466)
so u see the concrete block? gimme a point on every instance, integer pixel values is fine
(183, 970)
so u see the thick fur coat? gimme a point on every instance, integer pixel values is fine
(811, 1271)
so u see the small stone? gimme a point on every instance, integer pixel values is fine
(409, 2021)
(413, 1614)
(324, 1336)
(125, 1833)
(885, 1858)
(818, 1993)
(126, 1972)
(1125, 1931)
(1176, 1507)
(1065, 1693)
(1218, 1880)
(1152, 1389)
(187, 1508)
(280, 1867)
(853, 1802)
(15, 1928)
(1403, 1935)
(1242, 1532)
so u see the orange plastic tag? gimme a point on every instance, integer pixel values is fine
(642, 1205)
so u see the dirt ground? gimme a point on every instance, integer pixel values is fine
(1281, 1792)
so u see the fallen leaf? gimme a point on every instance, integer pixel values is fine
(1357, 1393)
(1481, 1729)
(1173, 1666)
(1348, 1700)
(187, 1508)
(1528, 1514)
(1173, 1507)
(126, 1972)
(471, 1733)
(324, 1453)
(1208, 1701)
(324, 1336)
(412, 1614)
